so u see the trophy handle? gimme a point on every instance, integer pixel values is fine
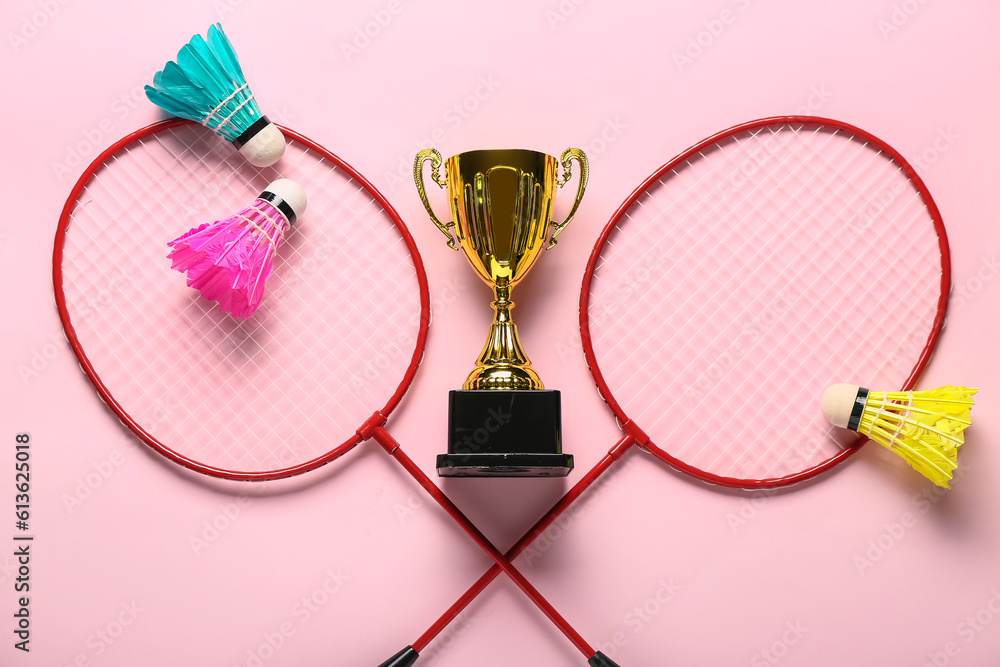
(581, 157)
(418, 177)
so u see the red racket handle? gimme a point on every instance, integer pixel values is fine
(392, 447)
(540, 526)
(408, 655)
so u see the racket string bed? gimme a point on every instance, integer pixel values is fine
(809, 211)
(236, 395)
(787, 413)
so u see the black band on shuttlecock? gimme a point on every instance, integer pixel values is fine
(251, 132)
(859, 407)
(278, 203)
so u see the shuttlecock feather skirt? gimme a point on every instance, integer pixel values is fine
(230, 260)
(925, 428)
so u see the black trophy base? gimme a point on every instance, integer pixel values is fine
(504, 433)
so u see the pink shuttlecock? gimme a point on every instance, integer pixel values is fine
(230, 260)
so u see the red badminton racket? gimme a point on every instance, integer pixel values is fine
(314, 372)
(740, 280)
(336, 340)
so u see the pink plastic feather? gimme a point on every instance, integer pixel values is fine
(230, 260)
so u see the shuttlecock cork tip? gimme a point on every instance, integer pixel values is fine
(264, 148)
(838, 403)
(291, 198)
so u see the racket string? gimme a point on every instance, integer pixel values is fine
(179, 373)
(844, 293)
(783, 412)
(694, 208)
(681, 318)
(711, 252)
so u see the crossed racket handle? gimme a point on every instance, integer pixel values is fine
(502, 561)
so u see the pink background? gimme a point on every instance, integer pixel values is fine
(865, 566)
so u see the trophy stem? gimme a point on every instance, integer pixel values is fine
(503, 363)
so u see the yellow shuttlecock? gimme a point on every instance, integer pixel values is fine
(923, 427)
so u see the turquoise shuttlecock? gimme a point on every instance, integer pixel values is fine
(206, 84)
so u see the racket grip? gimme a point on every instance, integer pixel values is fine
(404, 658)
(601, 660)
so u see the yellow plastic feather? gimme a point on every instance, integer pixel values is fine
(925, 428)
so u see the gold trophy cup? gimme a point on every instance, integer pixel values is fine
(503, 422)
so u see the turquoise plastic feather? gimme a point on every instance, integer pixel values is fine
(206, 84)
